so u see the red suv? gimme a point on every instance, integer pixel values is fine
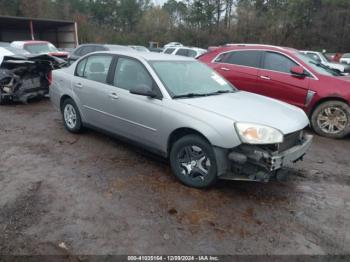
(287, 75)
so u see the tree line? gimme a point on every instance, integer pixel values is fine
(303, 24)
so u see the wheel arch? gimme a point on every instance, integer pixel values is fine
(64, 98)
(327, 99)
(181, 132)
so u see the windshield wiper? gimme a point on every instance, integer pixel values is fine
(220, 92)
(189, 95)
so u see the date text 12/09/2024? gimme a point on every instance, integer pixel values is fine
(173, 258)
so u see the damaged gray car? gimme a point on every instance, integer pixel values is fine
(24, 78)
(186, 112)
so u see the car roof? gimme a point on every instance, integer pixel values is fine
(4, 44)
(243, 46)
(31, 42)
(149, 56)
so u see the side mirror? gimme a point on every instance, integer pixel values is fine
(143, 90)
(298, 71)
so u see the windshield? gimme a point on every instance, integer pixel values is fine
(318, 67)
(346, 55)
(43, 48)
(325, 57)
(141, 48)
(17, 51)
(190, 78)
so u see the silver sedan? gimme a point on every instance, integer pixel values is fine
(181, 109)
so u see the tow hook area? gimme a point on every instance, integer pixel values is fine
(262, 162)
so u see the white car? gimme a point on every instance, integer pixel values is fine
(173, 44)
(4, 52)
(345, 59)
(185, 51)
(322, 59)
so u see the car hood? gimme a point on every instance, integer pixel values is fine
(247, 107)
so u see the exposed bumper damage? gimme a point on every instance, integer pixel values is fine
(24, 78)
(262, 162)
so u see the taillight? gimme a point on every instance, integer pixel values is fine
(49, 77)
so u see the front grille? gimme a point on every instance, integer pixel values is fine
(290, 141)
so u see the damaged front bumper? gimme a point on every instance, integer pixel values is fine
(262, 162)
(291, 155)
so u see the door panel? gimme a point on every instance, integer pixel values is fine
(89, 84)
(284, 87)
(136, 117)
(240, 68)
(276, 81)
(244, 78)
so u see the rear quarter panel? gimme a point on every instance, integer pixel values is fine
(62, 86)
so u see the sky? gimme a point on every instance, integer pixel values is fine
(159, 2)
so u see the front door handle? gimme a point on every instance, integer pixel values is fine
(79, 85)
(265, 77)
(114, 96)
(225, 69)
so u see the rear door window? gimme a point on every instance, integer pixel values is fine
(278, 62)
(191, 53)
(243, 58)
(97, 68)
(182, 52)
(169, 51)
(81, 68)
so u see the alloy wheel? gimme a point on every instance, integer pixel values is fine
(194, 162)
(332, 120)
(70, 116)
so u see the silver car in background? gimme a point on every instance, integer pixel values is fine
(181, 109)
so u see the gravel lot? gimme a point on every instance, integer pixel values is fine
(98, 195)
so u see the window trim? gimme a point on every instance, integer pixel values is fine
(311, 76)
(114, 68)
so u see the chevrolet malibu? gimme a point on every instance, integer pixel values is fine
(181, 109)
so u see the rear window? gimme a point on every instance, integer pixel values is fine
(40, 48)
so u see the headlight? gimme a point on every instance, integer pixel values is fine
(258, 134)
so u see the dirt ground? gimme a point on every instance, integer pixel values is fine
(91, 194)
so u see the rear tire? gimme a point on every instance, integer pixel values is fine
(193, 162)
(331, 119)
(71, 116)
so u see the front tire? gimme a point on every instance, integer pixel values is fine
(193, 162)
(331, 119)
(71, 116)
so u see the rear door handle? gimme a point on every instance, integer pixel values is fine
(265, 77)
(113, 96)
(225, 69)
(79, 85)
